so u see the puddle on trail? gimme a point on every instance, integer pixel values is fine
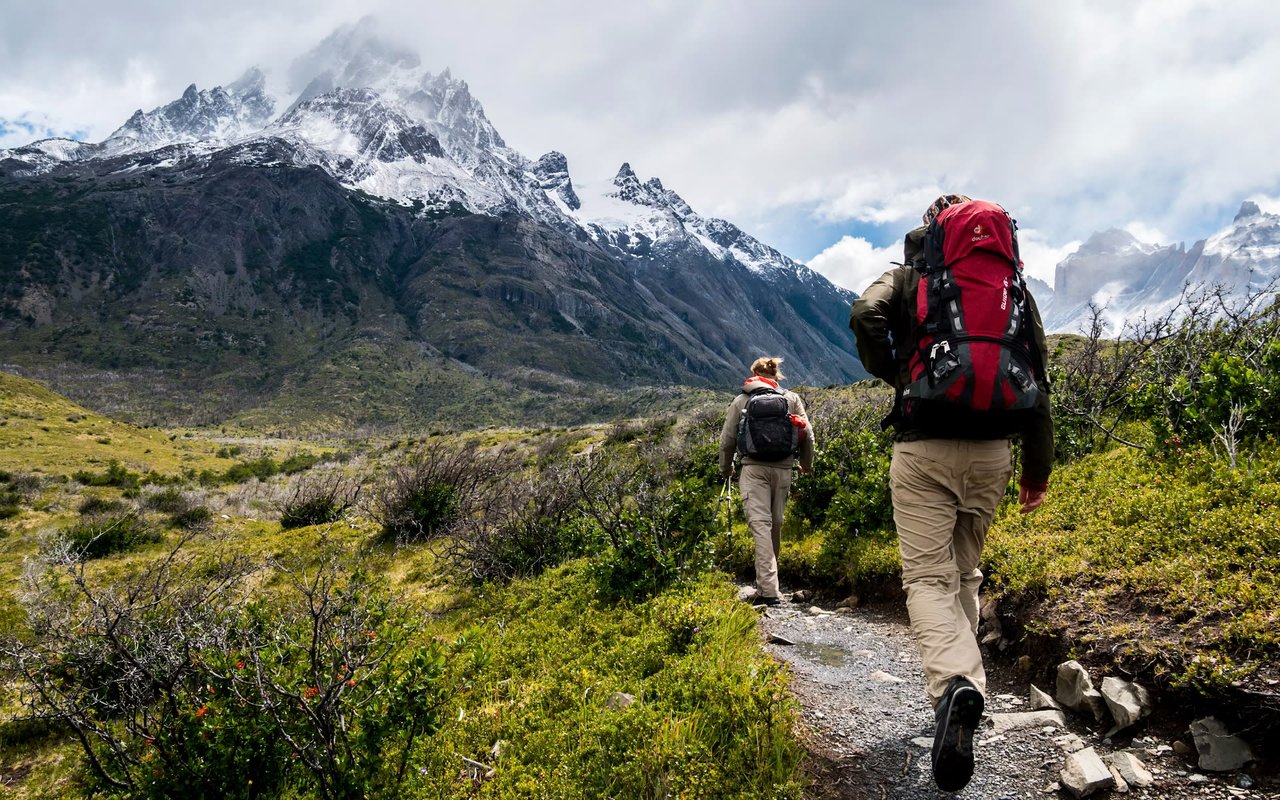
(829, 655)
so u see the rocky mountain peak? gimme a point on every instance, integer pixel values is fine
(1247, 209)
(552, 173)
(1108, 241)
(381, 131)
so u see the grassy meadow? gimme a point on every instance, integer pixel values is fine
(552, 612)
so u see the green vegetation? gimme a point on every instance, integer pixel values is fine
(39, 430)
(558, 624)
(511, 613)
(1175, 556)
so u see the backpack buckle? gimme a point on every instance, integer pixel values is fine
(945, 347)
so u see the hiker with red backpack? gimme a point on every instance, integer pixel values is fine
(768, 427)
(956, 333)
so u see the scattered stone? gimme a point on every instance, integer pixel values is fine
(620, 700)
(989, 613)
(864, 653)
(1070, 743)
(880, 676)
(1041, 700)
(1198, 778)
(1051, 788)
(1244, 782)
(776, 639)
(1131, 769)
(923, 741)
(994, 739)
(1014, 720)
(1025, 664)
(498, 747)
(801, 596)
(1128, 702)
(476, 771)
(851, 601)
(1182, 748)
(1159, 750)
(815, 611)
(747, 593)
(1219, 750)
(1075, 691)
(1084, 774)
(1119, 783)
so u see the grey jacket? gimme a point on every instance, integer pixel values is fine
(729, 433)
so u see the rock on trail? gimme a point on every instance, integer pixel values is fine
(868, 727)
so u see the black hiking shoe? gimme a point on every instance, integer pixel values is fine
(958, 713)
(768, 601)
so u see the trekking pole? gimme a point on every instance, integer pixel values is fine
(726, 498)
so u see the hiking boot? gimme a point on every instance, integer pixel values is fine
(768, 601)
(958, 713)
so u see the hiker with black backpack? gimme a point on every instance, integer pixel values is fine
(767, 426)
(956, 333)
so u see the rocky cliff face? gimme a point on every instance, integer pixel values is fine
(1128, 279)
(380, 217)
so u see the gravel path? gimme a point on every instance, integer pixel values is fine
(868, 726)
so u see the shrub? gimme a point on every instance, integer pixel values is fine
(298, 462)
(114, 475)
(99, 505)
(192, 518)
(656, 511)
(177, 687)
(169, 500)
(436, 488)
(523, 525)
(103, 535)
(317, 501)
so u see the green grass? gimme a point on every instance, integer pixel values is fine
(41, 431)
(545, 660)
(1179, 556)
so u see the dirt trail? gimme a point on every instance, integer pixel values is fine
(868, 726)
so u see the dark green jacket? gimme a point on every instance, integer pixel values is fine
(883, 320)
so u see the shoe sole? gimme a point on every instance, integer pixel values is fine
(953, 766)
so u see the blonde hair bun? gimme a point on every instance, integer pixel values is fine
(767, 367)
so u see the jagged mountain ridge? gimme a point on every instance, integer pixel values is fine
(214, 238)
(1130, 279)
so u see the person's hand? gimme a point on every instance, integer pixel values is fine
(803, 469)
(1030, 499)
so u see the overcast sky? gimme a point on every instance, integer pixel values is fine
(824, 127)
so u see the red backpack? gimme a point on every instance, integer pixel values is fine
(974, 358)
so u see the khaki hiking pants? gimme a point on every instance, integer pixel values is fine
(945, 493)
(764, 496)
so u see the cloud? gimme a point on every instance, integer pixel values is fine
(854, 263)
(1039, 257)
(1075, 116)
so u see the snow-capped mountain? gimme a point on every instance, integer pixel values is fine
(277, 230)
(371, 116)
(1129, 279)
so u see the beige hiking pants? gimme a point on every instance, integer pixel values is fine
(945, 493)
(764, 496)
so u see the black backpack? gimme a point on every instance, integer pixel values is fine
(765, 431)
